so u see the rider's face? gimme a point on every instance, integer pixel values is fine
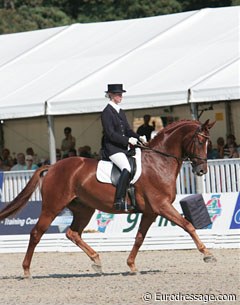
(116, 97)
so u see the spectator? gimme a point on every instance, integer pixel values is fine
(220, 147)
(85, 151)
(145, 129)
(30, 151)
(72, 152)
(58, 154)
(233, 151)
(44, 161)
(231, 142)
(211, 152)
(7, 160)
(3, 167)
(29, 163)
(68, 142)
(21, 164)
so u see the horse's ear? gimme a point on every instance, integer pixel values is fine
(208, 125)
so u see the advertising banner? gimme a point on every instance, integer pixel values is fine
(223, 208)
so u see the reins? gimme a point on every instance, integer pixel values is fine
(160, 152)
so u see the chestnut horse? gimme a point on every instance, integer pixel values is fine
(72, 183)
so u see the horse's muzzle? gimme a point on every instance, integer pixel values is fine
(199, 169)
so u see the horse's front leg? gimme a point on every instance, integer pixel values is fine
(169, 212)
(146, 221)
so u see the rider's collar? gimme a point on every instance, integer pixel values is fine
(115, 106)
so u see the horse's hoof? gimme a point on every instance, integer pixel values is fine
(97, 268)
(134, 272)
(27, 277)
(209, 259)
(133, 269)
(27, 274)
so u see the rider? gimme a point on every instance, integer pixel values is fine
(117, 135)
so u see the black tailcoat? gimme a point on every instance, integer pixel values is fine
(116, 131)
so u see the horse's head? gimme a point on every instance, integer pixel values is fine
(196, 148)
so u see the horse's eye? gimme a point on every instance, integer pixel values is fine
(202, 140)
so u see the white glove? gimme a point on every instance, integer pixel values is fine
(133, 141)
(143, 139)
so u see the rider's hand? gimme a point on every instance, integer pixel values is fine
(133, 141)
(143, 139)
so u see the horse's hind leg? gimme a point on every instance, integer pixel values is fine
(39, 229)
(81, 217)
(173, 215)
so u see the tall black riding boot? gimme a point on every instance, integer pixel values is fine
(123, 182)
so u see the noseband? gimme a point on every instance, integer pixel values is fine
(188, 155)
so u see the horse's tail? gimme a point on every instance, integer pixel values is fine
(22, 198)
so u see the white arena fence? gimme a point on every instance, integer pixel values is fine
(223, 176)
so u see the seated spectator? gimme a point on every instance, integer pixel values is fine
(7, 160)
(85, 151)
(29, 163)
(58, 154)
(44, 161)
(68, 142)
(21, 164)
(3, 167)
(233, 151)
(72, 152)
(211, 152)
(30, 151)
(220, 147)
(231, 142)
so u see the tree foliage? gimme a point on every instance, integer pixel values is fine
(27, 15)
(31, 18)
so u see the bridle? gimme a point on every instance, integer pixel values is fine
(188, 156)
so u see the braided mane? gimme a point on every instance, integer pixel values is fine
(175, 124)
(171, 127)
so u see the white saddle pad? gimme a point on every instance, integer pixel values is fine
(104, 169)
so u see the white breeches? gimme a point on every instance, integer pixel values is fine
(121, 160)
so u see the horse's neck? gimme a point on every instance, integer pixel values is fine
(171, 140)
(170, 143)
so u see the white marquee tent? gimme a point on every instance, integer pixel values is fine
(162, 61)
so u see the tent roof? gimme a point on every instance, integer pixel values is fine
(66, 70)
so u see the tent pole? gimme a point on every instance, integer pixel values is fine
(193, 106)
(52, 141)
(194, 111)
(1, 137)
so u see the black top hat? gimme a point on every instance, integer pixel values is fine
(115, 88)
